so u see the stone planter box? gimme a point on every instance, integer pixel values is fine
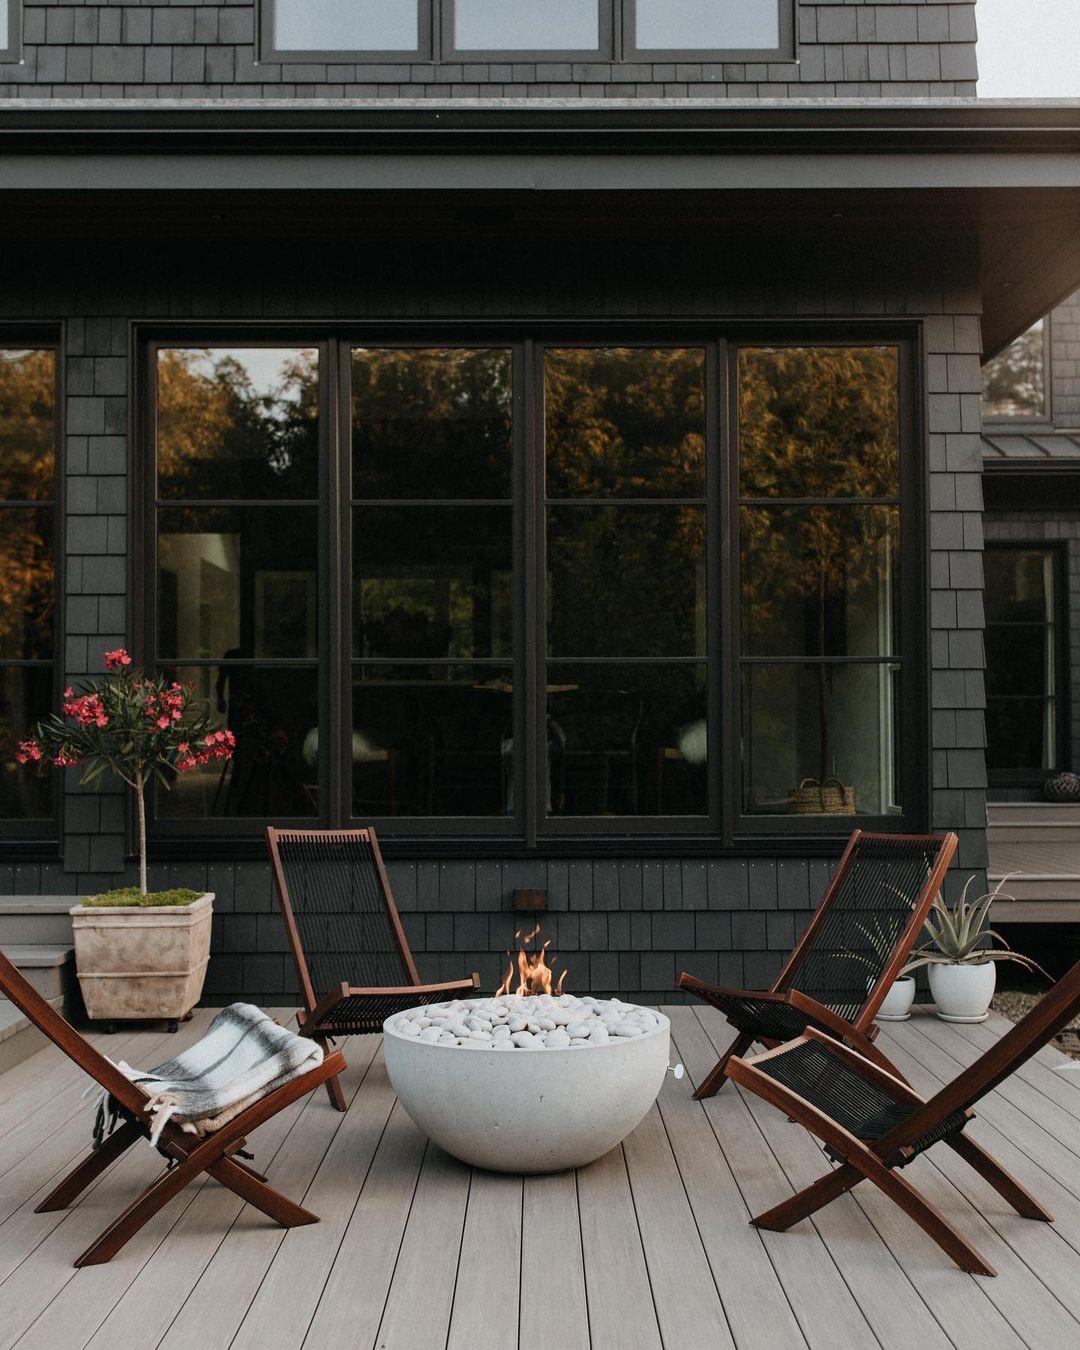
(140, 964)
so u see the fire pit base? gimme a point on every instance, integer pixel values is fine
(528, 1110)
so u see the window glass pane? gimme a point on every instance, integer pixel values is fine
(707, 24)
(27, 421)
(812, 724)
(626, 740)
(625, 422)
(27, 592)
(1021, 736)
(346, 25)
(1019, 585)
(626, 581)
(524, 25)
(431, 423)
(1014, 381)
(238, 582)
(3, 24)
(432, 581)
(238, 422)
(273, 713)
(819, 422)
(432, 740)
(26, 698)
(820, 581)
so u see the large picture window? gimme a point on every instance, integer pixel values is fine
(28, 477)
(539, 586)
(1015, 382)
(1026, 663)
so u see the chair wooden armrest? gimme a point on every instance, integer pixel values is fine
(693, 985)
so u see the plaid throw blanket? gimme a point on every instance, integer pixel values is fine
(243, 1057)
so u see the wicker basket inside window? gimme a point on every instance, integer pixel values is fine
(822, 797)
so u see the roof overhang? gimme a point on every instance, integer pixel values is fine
(1006, 172)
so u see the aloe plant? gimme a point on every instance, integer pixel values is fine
(960, 935)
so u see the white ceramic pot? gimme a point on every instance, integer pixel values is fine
(528, 1110)
(137, 963)
(896, 1005)
(963, 992)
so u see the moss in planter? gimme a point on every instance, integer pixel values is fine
(131, 895)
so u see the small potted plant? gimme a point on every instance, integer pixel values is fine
(962, 957)
(138, 954)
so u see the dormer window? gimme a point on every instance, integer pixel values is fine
(526, 30)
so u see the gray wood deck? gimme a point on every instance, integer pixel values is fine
(649, 1247)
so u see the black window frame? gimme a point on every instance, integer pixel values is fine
(1059, 551)
(43, 834)
(11, 52)
(617, 45)
(269, 53)
(783, 51)
(1002, 421)
(724, 826)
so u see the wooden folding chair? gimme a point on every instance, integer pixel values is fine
(340, 919)
(188, 1155)
(853, 948)
(872, 1123)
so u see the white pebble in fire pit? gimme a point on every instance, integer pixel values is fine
(524, 1022)
(593, 1069)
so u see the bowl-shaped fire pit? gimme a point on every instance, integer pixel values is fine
(533, 1084)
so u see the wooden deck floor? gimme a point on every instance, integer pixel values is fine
(647, 1248)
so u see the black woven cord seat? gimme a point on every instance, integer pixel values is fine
(765, 1019)
(856, 1104)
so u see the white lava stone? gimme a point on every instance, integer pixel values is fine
(531, 1022)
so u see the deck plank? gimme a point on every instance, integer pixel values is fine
(351, 1309)
(825, 1308)
(622, 1315)
(553, 1303)
(288, 1297)
(754, 1301)
(488, 1288)
(421, 1297)
(684, 1291)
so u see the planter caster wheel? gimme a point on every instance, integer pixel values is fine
(173, 1026)
(110, 1028)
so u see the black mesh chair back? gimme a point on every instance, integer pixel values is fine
(876, 895)
(339, 912)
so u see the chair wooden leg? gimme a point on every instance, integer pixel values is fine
(90, 1168)
(245, 1184)
(333, 1085)
(139, 1213)
(808, 1201)
(715, 1080)
(992, 1171)
(933, 1224)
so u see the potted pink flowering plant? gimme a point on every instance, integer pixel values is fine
(138, 954)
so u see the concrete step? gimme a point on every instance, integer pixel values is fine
(50, 967)
(19, 1038)
(34, 920)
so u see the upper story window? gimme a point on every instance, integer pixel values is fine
(1015, 382)
(538, 586)
(10, 30)
(526, 30)
(28, 433)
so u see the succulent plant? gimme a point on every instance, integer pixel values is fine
(960, 936)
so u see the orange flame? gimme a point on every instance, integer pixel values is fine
(535, 976)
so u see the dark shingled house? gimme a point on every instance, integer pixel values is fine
(549, 431)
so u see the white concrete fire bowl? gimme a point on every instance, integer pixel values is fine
(536, 1084)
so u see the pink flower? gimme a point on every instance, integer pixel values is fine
(27, 751)
(117, 659)
(163, 723)
(66, 759)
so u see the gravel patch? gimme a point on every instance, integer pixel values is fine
(1015, 1004)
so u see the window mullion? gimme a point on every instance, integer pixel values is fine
(530, 654)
